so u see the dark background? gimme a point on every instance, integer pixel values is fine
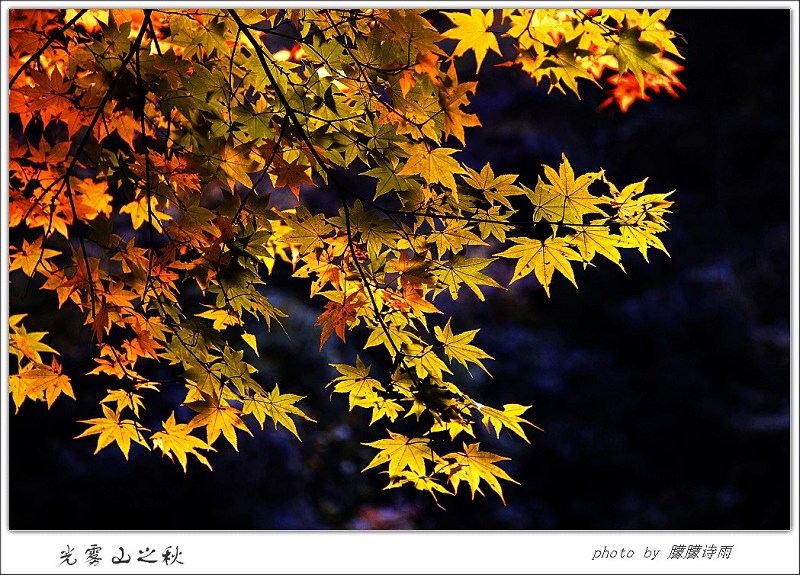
(663, 392)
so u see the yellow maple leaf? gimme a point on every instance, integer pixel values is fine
(509, 418)
(472, 466)
(124, 399)
(435, 166)
(458, 346)
(594, 239)
(276, 405)
(17, 386)
(111, 429)
(138, 209)
(176, 439)
(543, 258)
(48, 380)
(356, 382)
(32, 256)
(235, 163)
(420, 482)
(472, 32)
(400, 452)
(222, 318)
(565, 199)
(454, 237)
(24, 344)
(218, 417)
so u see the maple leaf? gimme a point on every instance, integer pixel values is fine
(594, 239)
(654, 30)
(111, 428)
(627, 90)
(176, 439)
(435, 166)
(17, 388)
(32, 256)
(492, 222)
(276, 405)
(635, 55)
(290, 174)
(643, 235)
(565, 199)
(472, 466)
(410, 301)
(124, 399)
(222, 318)
(472, 32)
(91, 20)
(24, 344)
(47, 379)
(336, 317)
(401, 452)
(509, 418)
(461, 269)
(218, 417)
(451, 99)
(641, 216)
(307, 230)
(421, 482)
(140, 213)
(93, 197)
(454, 237)
(355, 381)
(543, 258)
(409, 30)
(563, 66)
(668, 80)
(414, 271)
(458, 346)
(383, 407)
(235, 163)
(453, 428)
(494, 188)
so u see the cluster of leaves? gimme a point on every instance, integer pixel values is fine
(164, 167)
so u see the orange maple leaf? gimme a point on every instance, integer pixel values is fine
(290, 174)
(335, 318)
(626, 89)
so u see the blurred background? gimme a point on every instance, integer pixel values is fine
(663, 392)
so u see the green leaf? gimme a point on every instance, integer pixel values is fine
(636, 55)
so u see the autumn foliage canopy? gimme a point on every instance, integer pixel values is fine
(166, 164)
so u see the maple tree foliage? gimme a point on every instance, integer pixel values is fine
(144, 176)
